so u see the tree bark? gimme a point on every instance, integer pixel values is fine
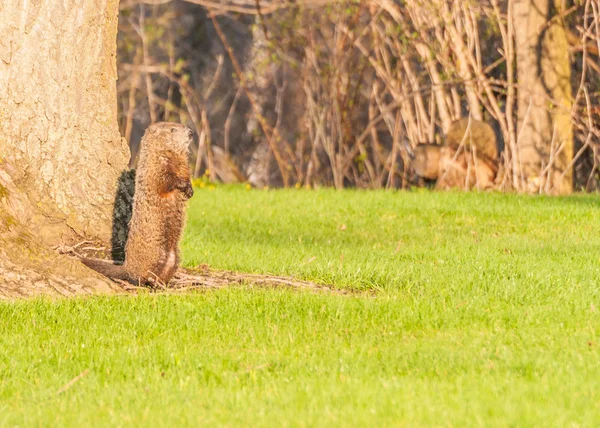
(61, 154)
(59, 139)
(260, 67)
(545, 143)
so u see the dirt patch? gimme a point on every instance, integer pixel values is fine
(18, 282)
(204, 277)
(52, 274)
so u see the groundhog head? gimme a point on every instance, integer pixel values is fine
(173, 136)
(426, 161)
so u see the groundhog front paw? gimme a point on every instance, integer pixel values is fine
(188, 191)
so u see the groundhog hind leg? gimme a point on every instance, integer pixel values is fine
(172, 264)
(168, 266)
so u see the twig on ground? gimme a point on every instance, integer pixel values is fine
(72, 382)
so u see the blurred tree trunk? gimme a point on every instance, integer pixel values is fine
(259, 67)
(545, 132)
(60, 150)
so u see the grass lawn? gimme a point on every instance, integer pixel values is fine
(486, 311)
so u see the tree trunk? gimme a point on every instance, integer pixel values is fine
(545, 144)
(61, 154)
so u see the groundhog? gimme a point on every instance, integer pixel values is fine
(426, 162)
(479, 136)
(162, 187)
(475, 165)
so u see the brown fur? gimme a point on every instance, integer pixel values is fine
(479, 138)
(465, 171)
(426, 162)
(162, 187)
(475, 164)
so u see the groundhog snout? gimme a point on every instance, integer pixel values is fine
(190, 133)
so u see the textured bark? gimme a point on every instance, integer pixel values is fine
(61, 154)
(28, 267)
(59, 141)
(544, 97)
(28, 270)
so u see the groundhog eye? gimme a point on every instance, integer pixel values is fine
(173, 129)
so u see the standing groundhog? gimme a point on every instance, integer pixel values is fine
(475, 165)
(162, 187)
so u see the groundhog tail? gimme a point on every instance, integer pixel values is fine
(108, 269)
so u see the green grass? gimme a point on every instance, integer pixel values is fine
(486, 312)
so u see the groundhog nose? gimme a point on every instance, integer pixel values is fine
(190, 132)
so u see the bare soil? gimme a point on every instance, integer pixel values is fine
(26, 274)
